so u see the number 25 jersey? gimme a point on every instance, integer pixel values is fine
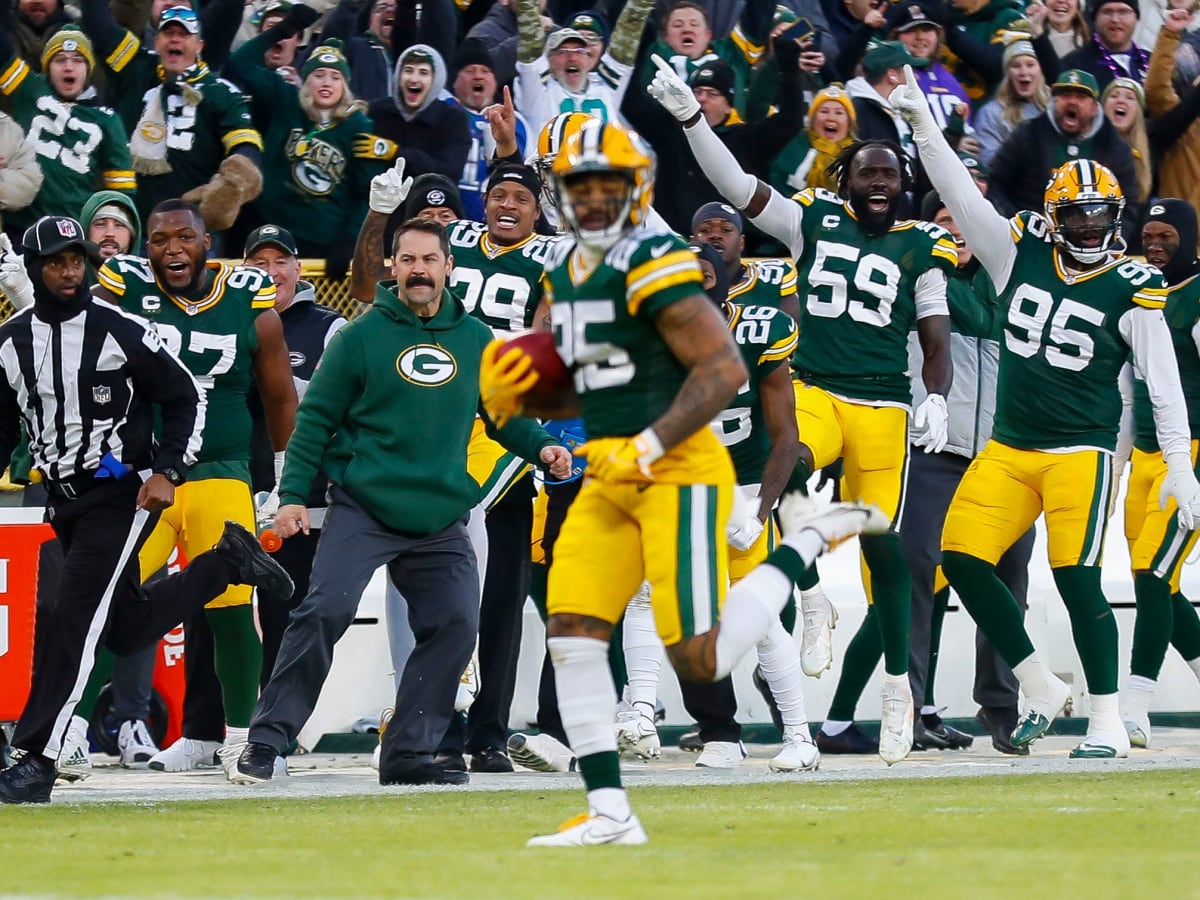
(214, 336)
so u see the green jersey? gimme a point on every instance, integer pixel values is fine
(215, 337)
(625, 374)
(80, 148)
(1062, 347)
(1183, 317)
(764, 282)
(865, 294)
(766, 338)
(499, 286)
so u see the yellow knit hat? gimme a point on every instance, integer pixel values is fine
(833, 93)
(69, 38)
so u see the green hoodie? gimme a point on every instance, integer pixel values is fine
(103, 198)
(389, 412)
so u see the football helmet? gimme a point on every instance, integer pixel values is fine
(550, 140)
(605, 148)
(1084, 203)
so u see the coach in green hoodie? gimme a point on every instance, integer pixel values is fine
(387, 417)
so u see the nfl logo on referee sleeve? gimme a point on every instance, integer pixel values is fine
(102, 394)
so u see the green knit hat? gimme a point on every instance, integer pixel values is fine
(327, 56)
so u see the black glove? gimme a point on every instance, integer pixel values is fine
(787, 53)
(298, 18)
(831, 473)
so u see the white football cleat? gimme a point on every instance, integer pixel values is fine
(1139, 732)
(228, 755)
(637, 736)
(590, 828)
(799, 753)
(834, 523)
(74, 763)
(896, 721)
(134, 744)
(384, 718)
(541, 753)
(185, 755)
(468, 687)
(820, 618)
(1110, 744)
(721, 755)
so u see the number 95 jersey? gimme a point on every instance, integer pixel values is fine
(214, 336)
(1063, 345)
(500, 286)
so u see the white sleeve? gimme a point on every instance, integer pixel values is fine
(930, 294)
(337, 325)
(1146, 333)
(986, 232)
(719, 165)
(1125, 431)
(531, 98)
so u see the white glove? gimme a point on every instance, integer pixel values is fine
(1181, 486)
(932, 416)
(390, 189)
(909, 100)
(268, 505)
(742, 536)
(14, 279)
(671, 91)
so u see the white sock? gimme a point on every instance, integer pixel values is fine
(929, 710)
(1105, 718)
(779, 659)
(1034, 678)
(1194, 665)
(643, 651)
(611, 802)
(478, 536)
(833, 728)
(236, 735)
(752, 605)
(587, 699)
(1139, 696)
(807, 544)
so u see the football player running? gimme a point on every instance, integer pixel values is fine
(1075, 309)
(1158, 544)
(871, 279)
(653, 364)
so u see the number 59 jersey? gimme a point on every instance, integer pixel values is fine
(500, 286)
(214, 336)
(1062, 346)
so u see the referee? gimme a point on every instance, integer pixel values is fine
(85, 377)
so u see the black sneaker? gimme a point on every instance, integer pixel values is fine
(934, 734)
(255, 765)
(252, 564)
(765, 690)
(852, 740)
(450, 760)
(999, 722)
(491, 760)
(29, 781)
(690, 741)
(423, 773)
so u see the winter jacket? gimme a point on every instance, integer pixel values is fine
(21, 177)
(103, 198)
(974, 46)
(991, 129)
(1179, 167)
(388, 416)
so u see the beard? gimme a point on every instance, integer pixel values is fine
(872, 222)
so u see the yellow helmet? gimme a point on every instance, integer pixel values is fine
(1084, 203)
(605, 147)
(551, 138)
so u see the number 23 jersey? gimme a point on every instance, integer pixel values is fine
(214, 336)
(1062, 346)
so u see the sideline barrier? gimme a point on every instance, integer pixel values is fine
(19, 547)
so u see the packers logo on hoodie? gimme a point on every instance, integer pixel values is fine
(427, 365)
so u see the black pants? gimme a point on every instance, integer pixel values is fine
(296, 557)
(714, 707)
(436, 574)
(100, 601)
(501, 610)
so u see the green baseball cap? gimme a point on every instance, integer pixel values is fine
(884, 55)
(1076, 80)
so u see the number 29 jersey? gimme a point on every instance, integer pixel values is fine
(1061, 347)
(214, 336)
(500, 286)
(625, 374)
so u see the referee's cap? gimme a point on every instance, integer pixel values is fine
(53, 234)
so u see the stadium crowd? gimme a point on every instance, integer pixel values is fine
(159, 138)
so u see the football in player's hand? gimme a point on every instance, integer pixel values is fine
(553, 386)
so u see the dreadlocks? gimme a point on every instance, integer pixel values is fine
(839, 169)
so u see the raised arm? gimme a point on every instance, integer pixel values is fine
(387, 194)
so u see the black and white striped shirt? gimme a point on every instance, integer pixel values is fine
(88, 386)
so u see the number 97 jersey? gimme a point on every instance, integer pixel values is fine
(213, 335)
(500, 286)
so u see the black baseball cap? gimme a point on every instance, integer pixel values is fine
(53, 234)
(273, 236)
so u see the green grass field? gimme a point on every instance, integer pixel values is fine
(1094, 834)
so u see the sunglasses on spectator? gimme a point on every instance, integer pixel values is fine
(568, 50)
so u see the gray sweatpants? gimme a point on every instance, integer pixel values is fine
(932, 480)
(436, 573)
